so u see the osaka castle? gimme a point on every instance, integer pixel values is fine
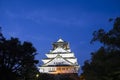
(60, 59)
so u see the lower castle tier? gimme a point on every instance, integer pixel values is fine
(60, 60)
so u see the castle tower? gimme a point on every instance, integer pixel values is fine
(60, 60)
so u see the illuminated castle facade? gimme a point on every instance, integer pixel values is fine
(60, 60)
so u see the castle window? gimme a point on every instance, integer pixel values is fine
(66, 68)
(63, 68)
(59, 68)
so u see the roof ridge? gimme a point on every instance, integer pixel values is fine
(59, 56)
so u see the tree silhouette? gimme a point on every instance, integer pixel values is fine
(105, 63)
(17, 60)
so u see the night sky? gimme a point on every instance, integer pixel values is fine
(43, 22)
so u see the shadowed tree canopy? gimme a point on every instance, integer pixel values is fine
(105, 63)
(17, 60)
(58, 77)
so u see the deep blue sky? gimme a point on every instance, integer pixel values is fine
(44, 21)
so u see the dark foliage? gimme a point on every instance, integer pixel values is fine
(105, 63)
(17, 59)
(58, 77)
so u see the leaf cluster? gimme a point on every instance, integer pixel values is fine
(17, 59)
(105, 63)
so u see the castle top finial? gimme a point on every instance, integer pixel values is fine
(60, 40)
